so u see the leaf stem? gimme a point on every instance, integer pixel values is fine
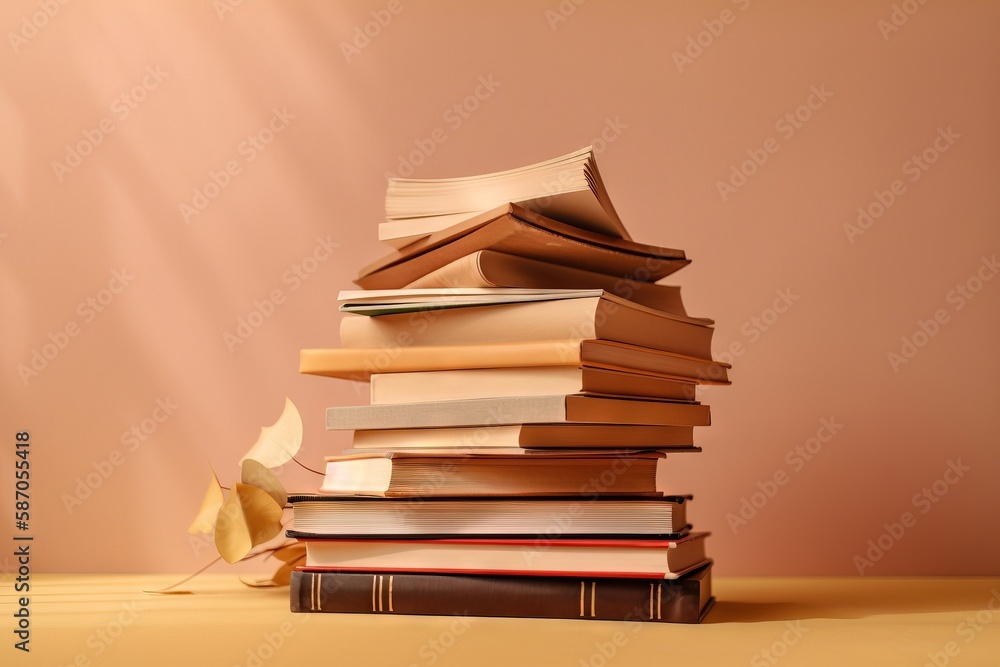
(306, 467)
(189, 577)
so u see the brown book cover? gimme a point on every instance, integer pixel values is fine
(517, 231)
(488, 268)
(684, 600)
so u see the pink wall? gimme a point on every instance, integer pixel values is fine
(197, 83)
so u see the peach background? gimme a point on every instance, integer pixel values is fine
(323, 176)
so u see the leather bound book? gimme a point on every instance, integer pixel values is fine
(685, 600)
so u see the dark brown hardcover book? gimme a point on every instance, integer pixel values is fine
(684, 600)
(517, 231)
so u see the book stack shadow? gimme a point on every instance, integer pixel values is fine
(529, 375)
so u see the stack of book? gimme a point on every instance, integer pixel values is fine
(528, 377)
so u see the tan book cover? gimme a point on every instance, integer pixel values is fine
(422, 386)
(576, 408)
(606, 317)
(526, 437)
(359, 364)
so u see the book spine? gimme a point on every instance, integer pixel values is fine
(656, 600)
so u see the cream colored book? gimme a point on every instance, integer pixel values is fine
(318, 516)
(530, 436)
(567, 188)
(576, 408)
(423, 386)
(646, 558)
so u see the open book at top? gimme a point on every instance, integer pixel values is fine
(567, 188)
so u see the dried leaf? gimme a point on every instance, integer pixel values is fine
(249, 517)
(169, 589)
(292, 552)
(210, 504)
(280, 545)
(281, 577)
(258, 582)
(255, 474)
(280, 441)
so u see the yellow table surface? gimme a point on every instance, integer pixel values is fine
(85, 620)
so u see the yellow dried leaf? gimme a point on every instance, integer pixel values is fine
(210, 504)
(249, 517)
(280, 441)
(172, 588)
(258, 582)
(281, 577)
(255, 474)
(290, 553)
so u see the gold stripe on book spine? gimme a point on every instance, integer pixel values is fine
(593, 599)
(651, 586)
(659, 598)
(374, 582)
(390, 592)
(380, 592)
(583, 588)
